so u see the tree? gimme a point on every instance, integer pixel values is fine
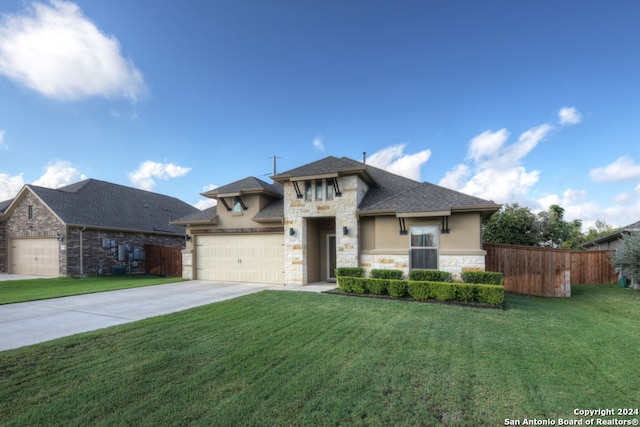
(600, 228)
(555, 232)
(627, 255)
(511, 225)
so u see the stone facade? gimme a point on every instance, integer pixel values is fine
(342, 208)
(4, 250)
(385, 262)
(456, 264)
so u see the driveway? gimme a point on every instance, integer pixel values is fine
(33, 322)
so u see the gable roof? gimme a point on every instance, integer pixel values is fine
(100, 204)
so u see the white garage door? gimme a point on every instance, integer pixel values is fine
(253, 258)
(34, 256)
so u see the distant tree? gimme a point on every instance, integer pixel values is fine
(601, 228)
(627, 255)
(511, 225)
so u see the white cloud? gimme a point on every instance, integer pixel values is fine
(501, 185)
(495, 172)
(569, 116)
(9, 186)
(147, 173)
(2, 143)
(621, 169)
(203, 204)
(56, 51)
(487, 144)
(394, 160)
(58, 174)
(318, 144)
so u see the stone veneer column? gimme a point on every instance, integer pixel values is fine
(343, 209)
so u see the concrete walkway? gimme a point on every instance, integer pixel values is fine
(33, 322)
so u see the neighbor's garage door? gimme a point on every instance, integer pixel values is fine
(254, 258)
(34, 256)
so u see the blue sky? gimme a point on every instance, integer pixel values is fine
(535, 102)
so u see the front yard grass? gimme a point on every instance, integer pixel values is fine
(297, 358)
(12, 291)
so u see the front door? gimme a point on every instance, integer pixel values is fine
(331, 257)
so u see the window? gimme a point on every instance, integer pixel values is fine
(238, 206)
(318, 189)
(424, 247)
(308, 190)
(329, 185)
(30, 212)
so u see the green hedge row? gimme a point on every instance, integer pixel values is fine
(487, 277)
(424, 290)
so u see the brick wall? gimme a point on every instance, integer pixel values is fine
(43, 224)
(95, 255)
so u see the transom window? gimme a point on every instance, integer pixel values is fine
(424, 247)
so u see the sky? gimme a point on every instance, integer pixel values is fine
(535, 102)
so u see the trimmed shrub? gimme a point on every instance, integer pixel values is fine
(419, 290)
(387, 274)
(430, 276)
(443, 291)
(376, 286)
(465, 292)
(349, 272)
(397, 288)
(482, 277)
(344, 283)
(490, 294)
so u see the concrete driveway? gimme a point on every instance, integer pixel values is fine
(33, 322)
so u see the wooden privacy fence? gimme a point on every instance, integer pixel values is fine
(163, 260)
(545, 271)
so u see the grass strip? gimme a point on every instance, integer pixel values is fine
(12, 291)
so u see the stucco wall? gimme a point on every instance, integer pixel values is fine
(384, 247)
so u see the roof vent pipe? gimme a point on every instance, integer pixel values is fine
(364, 157)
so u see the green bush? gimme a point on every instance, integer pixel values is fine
(376, 286)
(349, 272)
(443, 291)
(430, 276)
(387, 274)
(345, 283)
(465, 292)
(483, 277)
(397, 288)
(490, 294)
(419, 290)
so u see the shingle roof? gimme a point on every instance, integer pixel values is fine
(427, 197)
(391, 192)
(275, 209)
(247, 184)
(95, 203)
(4, 205)
(204, 215)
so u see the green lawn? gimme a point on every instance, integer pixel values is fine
(292, 358)
(12, 291)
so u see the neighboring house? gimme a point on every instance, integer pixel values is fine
(611, 240)
(335, 212)
(85, 226)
